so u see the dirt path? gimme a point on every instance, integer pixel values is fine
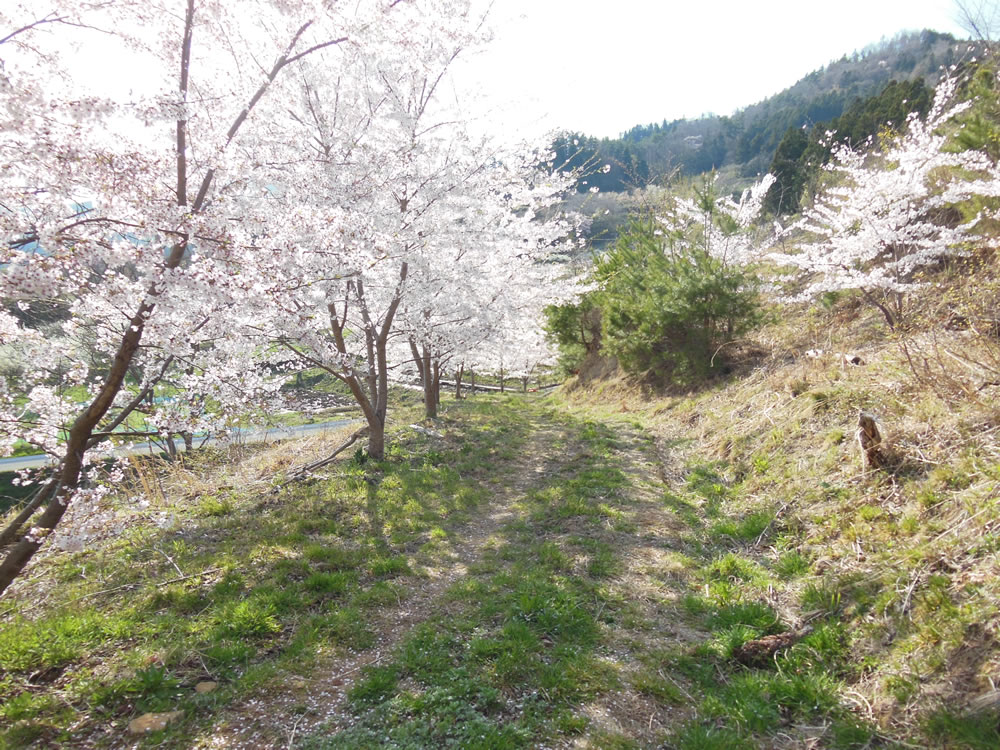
(651, 581)
(648, 581)
(302, 706)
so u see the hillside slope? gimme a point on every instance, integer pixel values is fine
(744, 143)
(894, 567)
(598, 568)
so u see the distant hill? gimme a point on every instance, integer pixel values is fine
(746, 140)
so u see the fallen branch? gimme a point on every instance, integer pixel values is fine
(761, 651)
(426, 431)
(302, 471)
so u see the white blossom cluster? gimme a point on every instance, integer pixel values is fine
(892, 211)
(287, 188)
(723, 227)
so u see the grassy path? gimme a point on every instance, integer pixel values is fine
(539, 619)
(525, 603)
(317, 702)
(529, 578)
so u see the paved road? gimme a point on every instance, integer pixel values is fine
(240, 435)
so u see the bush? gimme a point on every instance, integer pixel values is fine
(667, 307)
(575, 329)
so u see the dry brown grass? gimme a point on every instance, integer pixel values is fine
(248, 467)
(910, 555)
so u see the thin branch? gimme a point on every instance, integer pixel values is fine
(302, 471)
(52, 18)
(131, 406)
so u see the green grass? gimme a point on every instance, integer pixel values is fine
(748, 528)
(975, 732)
(603, 582)
(279, 585)
(791, 565)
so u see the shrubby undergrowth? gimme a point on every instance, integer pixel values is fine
(678, 285)
(667, 313)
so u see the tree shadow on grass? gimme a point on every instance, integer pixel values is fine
(518, 647)
(227, 588)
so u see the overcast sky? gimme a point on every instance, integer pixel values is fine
(602, 66)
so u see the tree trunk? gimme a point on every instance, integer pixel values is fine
(437, 385)
(376, 425)
(417, 360)
(80, 435)
(430, 402)
(890, 319)
(76, 444)
(376, 441)
(380, 380)
(188, 440)
(427, 378)
(524, 384)
(377, 384)
(458, 381)
(373, 395)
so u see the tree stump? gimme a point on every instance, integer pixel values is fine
(870, 440)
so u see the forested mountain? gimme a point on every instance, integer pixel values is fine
(803, 151)
(747, 139)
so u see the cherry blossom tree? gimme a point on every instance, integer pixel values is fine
(521, 351)
(361, 206)
(725, 228)
(890, 212)
(275, 182)
(408, 214)
(498, 261)
(133, 214)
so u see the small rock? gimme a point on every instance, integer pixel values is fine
(153, 722)
(205, 687)
(299, 684)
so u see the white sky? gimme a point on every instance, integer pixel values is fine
(602, 66)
